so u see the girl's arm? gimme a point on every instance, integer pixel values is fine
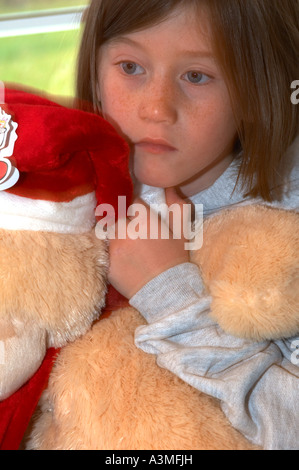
(257, 383)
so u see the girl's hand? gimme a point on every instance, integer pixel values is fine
(133, 263)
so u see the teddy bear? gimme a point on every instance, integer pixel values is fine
(105, 393)
(99, 390)
(56, 164)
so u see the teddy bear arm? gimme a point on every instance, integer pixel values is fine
(78, 289)
(250, 265)
(53, 280)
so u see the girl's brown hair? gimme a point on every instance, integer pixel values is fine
(257, 46)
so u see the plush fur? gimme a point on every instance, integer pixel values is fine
(59, 283)
(104, 393)
(52, 288)
(250, 265)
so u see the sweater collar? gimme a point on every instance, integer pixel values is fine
(219, 195)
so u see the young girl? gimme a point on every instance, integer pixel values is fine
(201, 91)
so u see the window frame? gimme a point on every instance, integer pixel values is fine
(42, 21)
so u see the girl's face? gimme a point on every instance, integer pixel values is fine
(163, 91)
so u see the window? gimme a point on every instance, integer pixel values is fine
(39, 43)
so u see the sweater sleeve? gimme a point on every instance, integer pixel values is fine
(257, 383)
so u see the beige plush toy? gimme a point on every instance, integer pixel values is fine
(104, 393)
(56, 165)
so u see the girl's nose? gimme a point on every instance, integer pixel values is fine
(158, 103)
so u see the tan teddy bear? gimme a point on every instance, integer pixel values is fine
(56, 165)
(104, 393)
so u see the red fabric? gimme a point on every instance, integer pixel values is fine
(17, 410)
(115, 300)
(62, 153)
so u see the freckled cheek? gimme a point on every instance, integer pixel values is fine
(119, 109)
(225, 117)
(211, 124)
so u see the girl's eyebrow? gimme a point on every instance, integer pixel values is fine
(192, 54)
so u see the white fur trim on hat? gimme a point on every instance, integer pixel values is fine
(21, 213)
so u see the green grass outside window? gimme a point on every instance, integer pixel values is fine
(43, 61)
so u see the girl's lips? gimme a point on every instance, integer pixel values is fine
(155, 146)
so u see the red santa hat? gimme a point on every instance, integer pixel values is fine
(56, 165)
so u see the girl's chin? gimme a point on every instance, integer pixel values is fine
(156, 180)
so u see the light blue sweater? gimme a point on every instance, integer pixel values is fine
(257, 383)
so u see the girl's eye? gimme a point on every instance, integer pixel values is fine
(196, 78)
(130, 68)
